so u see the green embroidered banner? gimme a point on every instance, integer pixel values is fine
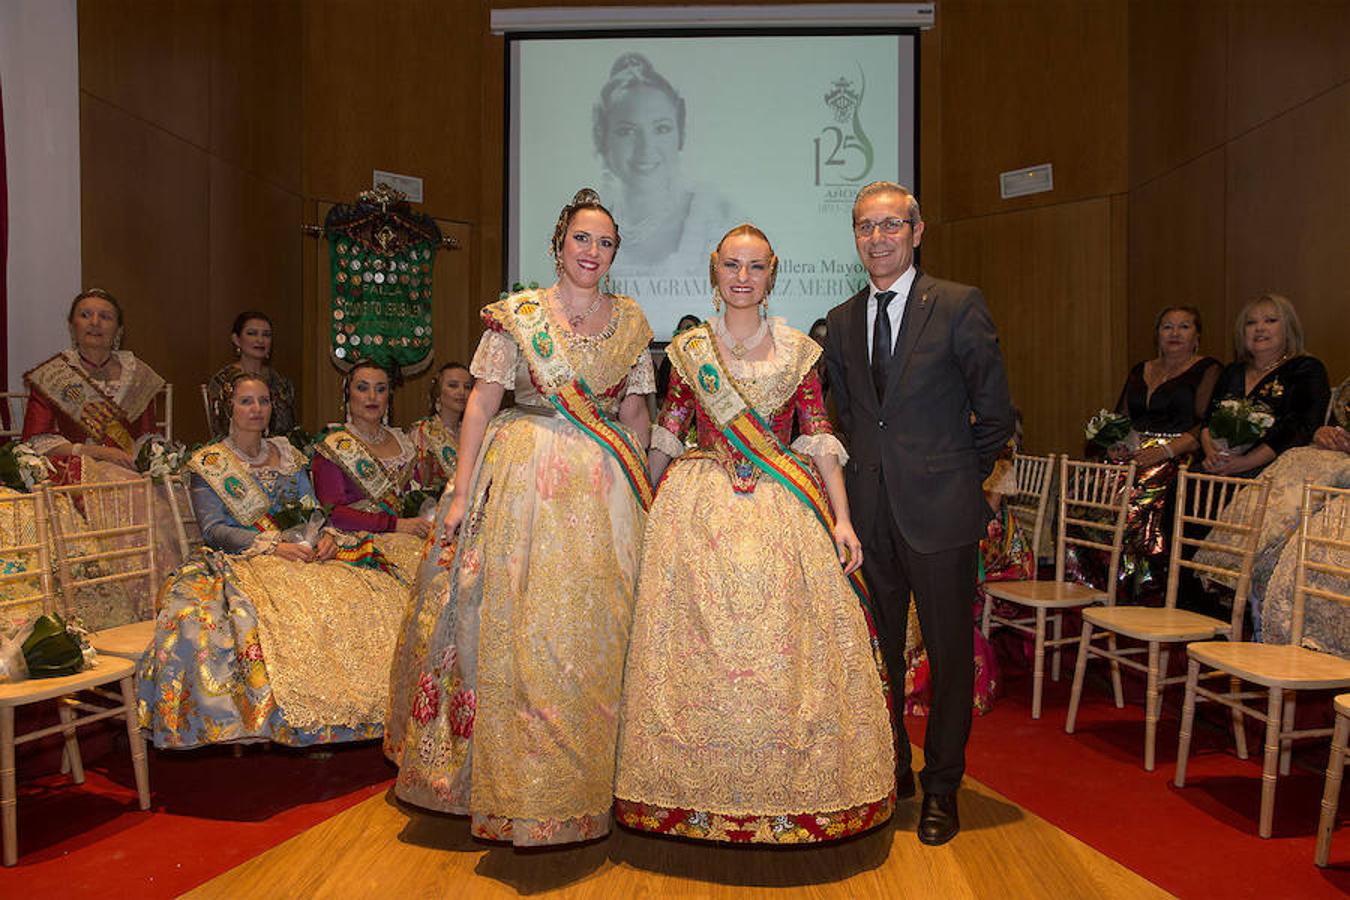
(381, 256)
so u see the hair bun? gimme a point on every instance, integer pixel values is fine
(585, 195)
(631, 63)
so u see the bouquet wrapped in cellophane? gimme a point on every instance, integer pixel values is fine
(22, 468)
(1110, 431)
(1237, 424)
(419, 502)
(161, 457)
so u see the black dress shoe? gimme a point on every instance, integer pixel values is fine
(904, 785)
(938, 821)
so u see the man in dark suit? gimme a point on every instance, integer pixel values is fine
(918, 378)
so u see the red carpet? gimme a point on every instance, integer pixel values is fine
(212, 811)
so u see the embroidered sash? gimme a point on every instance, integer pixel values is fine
(75, 397)
(696, 355)
(353, 457)
(439, 443)
(556, 379)
(231, 480)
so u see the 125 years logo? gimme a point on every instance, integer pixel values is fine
(843, 152)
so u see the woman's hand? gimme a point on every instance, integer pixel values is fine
(454, 515)
(1332, 437)
(295, 552)
(850, 548)
(112, 455)
(1150, 456)
(326, 550)
(418, 527)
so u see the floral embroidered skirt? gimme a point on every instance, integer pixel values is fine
(508, 674)
(262, 648)
(753, 706)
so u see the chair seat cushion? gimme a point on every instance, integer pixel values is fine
(1049, 594)
(126, 641)
(1274, 665)
(1150, 623)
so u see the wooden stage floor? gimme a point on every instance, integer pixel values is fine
(381, 848)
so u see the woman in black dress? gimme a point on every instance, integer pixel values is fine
(1166, 399)
(1270, 366)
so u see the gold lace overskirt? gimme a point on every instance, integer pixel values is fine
(750, 688)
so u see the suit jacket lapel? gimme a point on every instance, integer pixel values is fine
(861, 341)
(918, 309)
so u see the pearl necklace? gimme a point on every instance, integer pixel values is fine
(739, 348)
(256, 460)
(576, 319)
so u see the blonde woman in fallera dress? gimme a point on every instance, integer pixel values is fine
(530, 577)
(754, 709)
(436, 437)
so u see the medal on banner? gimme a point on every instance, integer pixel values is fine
(381, 257)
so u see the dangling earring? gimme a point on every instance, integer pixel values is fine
(609, 288)
(764, 308)
(717, 299)
(117, 340)
(237, 352)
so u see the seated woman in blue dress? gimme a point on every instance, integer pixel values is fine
(265, 635)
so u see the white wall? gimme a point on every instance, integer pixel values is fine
(39, 74)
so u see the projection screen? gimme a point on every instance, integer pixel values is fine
(687, 135)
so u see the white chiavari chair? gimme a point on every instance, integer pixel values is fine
(1200, 499)
(82, 698)
(1035, 477)
(206, 408)
(1280, 671)
(103, 534)
(1093, 501)
(14, 402)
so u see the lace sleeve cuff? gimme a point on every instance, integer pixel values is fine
(495, 360)
(42, 444)
(666, 442)
(642, 378)
(820, 445)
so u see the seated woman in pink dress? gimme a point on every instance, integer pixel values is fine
(362, 469)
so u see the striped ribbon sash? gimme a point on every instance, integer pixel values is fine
(558, 381)
(695, 353)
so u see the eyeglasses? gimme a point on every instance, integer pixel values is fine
(864, 227)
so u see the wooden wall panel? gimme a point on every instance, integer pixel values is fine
(1283, 54)
(151, 58)
(1029, 83)
(408, 104)
(256, 91)
(1288, 219)
(1176, 253)
(1177, 67)
(144, 211)
(1047, 274)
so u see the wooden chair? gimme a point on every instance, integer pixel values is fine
(1281, 669)
(11, 423)
(206, 408)
(81, 698)
(164, 406)
(1093, 497)
(104, 535)
(1035, 476)
(1331, 793)
(1199, 501)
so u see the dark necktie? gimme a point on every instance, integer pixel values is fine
(881, 343)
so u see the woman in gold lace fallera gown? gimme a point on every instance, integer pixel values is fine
(513, 648)
(753, 705)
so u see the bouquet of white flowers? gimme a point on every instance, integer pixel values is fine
(161, 457)
(301, 520)
(1109, 429)
(1239, 423)
(22, 467)
(419, 501)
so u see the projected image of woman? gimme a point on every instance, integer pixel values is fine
(639, 128)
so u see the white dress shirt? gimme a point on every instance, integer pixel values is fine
(896, 309)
